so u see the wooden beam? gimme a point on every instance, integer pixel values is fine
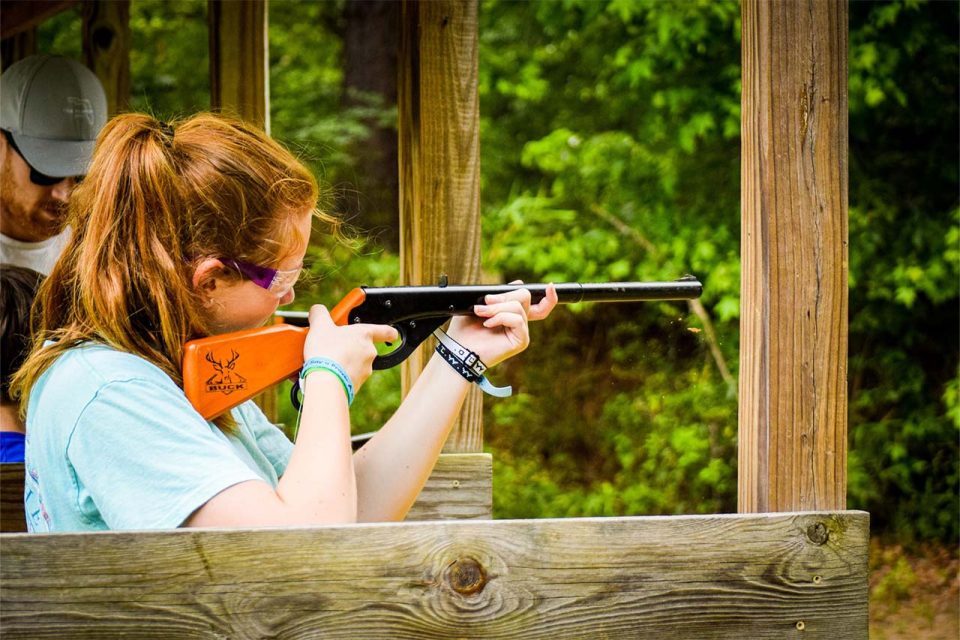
(733, 576)
(793, 326)
(239, 74)
(22, 15)
(106, 48)
(460, 487)
(12, 518)
(439, 128)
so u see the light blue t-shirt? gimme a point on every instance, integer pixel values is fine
(113, 443)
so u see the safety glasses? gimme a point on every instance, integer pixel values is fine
(37, 178)
(276, 281)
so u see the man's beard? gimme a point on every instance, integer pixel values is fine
(39, 222)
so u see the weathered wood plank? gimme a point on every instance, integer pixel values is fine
(460, 487)
(793, 327)
(733, 576)
(11, 497)
(439, 150)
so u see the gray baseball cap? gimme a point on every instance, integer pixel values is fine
(54, 108)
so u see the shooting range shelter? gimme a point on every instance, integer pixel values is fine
(792, 563)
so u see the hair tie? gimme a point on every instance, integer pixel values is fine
(166, 130)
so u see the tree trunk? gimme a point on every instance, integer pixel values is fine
(370, 40)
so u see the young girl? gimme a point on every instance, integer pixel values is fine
(190, 230)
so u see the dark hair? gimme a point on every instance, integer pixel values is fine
(18, 287)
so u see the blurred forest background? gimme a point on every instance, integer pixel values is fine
(610, 151)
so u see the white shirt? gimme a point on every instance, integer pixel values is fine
(39, 256)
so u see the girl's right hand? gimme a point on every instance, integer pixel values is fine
(351, 346)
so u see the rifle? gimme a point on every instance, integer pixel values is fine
(259, 358)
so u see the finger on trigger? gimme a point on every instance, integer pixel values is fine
(383, 333)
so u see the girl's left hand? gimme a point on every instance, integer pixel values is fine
(499, 329)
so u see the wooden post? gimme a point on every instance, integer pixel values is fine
(239, 75)
(240, 83)
(793, 326)
(439, 127)
(106, 48)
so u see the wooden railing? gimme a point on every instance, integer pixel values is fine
(784, 575)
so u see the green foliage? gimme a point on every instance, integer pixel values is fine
(611, 153)
(169, 58)
(904, 267)
(307, 108)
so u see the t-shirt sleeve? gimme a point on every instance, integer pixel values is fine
(146, 459)
(270, 439)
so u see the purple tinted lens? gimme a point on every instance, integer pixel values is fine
(261, 276)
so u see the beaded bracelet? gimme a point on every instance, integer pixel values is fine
(331, 366)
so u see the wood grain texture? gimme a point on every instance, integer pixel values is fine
(239, 77)
(793, 326)
(439, 150)
(733, 576)
(460, 487)
(106, 49)
(11, 498)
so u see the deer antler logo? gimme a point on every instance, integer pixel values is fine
(225, 379)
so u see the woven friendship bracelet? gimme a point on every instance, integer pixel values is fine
(331, 366)
(467, 364)
(458, 365)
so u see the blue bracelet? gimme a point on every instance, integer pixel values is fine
(326, 364)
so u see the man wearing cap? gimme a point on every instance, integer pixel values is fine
(51, 110)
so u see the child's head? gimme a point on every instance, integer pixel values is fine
(18, 287)
(164, 211)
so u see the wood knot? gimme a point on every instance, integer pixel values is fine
(466, 576)
(102, 37)
(818, 533)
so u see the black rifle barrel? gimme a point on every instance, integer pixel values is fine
(383, 304)
(684, 289)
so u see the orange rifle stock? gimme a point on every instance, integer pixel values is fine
(222, 371)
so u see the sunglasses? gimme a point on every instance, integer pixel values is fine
(37, 178)
(276, 281)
